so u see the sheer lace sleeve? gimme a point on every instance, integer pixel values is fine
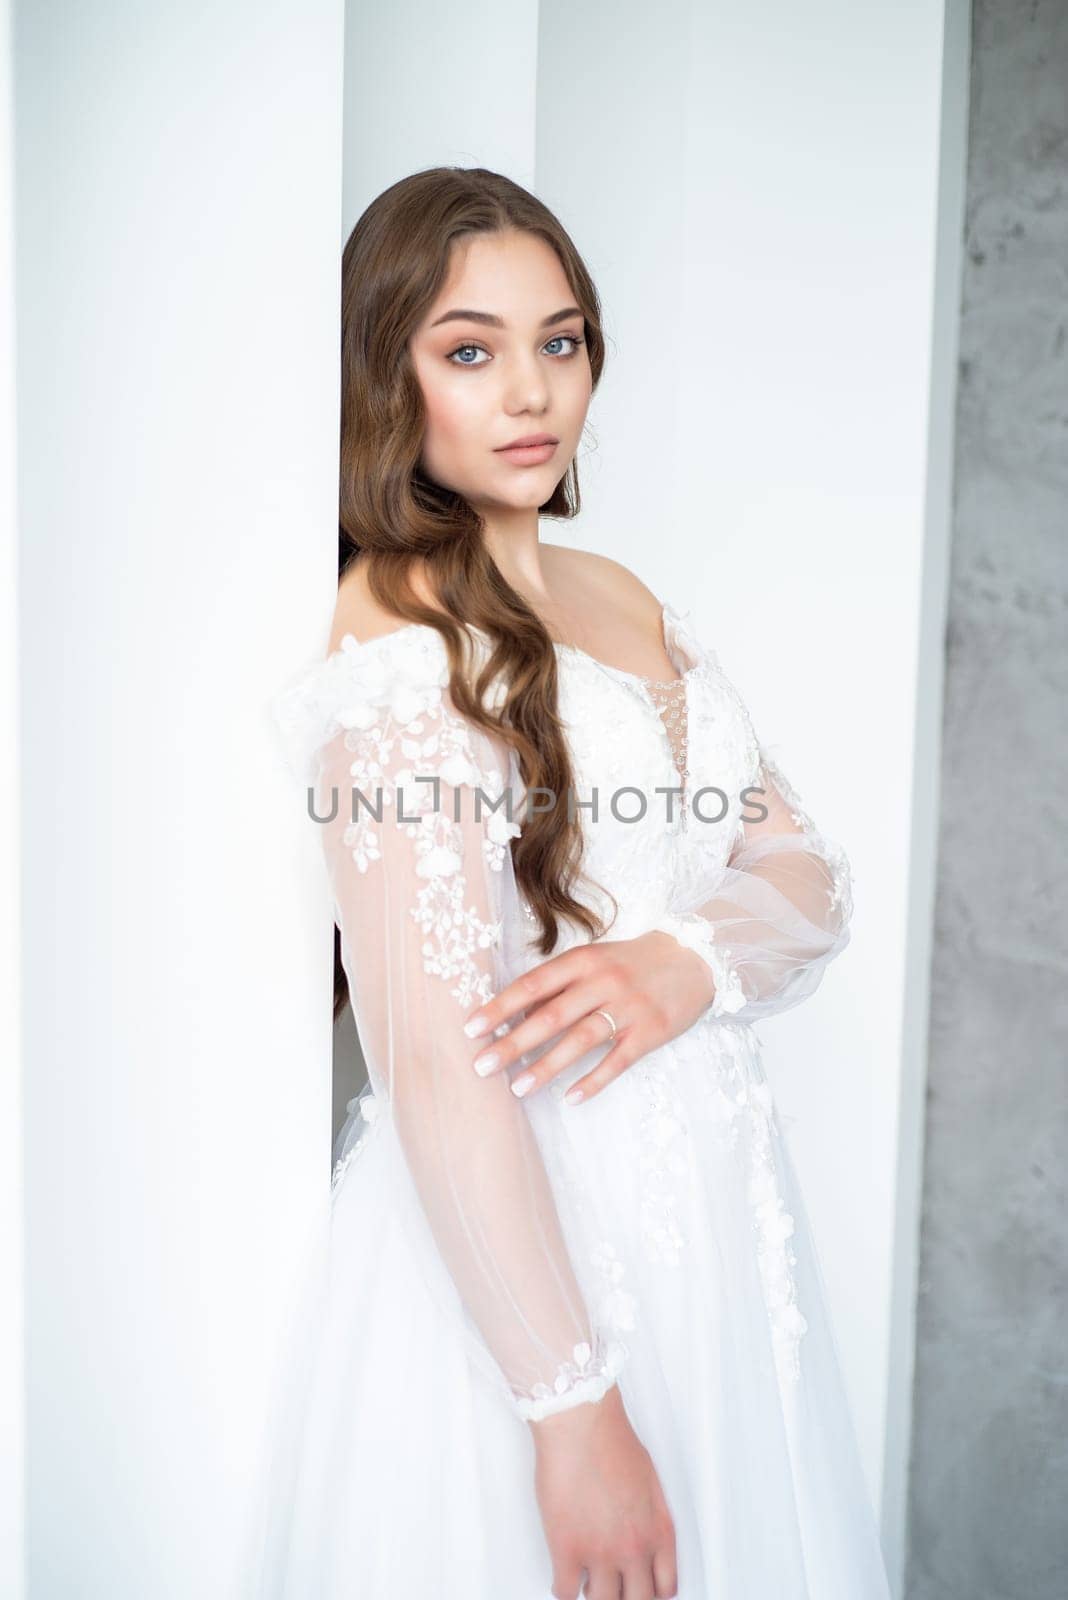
(424, 895)
(779, 913)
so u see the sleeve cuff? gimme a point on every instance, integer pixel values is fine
(585, 1378)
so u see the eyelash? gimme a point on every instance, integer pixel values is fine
(470, 344)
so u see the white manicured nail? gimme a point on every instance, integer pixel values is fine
(476, 1026)
(485, 1064)
(573, 1096)
(521, 1085)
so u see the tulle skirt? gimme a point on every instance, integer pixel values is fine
(395, 1471)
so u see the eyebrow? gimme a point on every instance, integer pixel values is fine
(491, 321)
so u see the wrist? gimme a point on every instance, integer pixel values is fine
(578, 1422)
(681, 948)
(698, 934)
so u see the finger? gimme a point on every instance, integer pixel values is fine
(586, 1034)
(546, 978)
(573, 1014)
(638, 1581)
(622, 1055)
(567, 1581)
(605, 1583)
(666, 1572)
(576, 989)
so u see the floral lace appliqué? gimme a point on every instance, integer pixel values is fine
(432, 743)
(774, 1227)
(616, 1307)
(587, 1377)
(663, 1166)
(742, 1100)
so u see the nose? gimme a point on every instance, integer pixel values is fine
(528, 384)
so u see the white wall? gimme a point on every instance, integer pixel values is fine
(437, 84)
(12, 1372)
(754, 189)
(178, 273)
(755, 192)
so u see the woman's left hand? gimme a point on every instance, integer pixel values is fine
(653, 987)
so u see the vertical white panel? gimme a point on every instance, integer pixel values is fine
(429, 85)
(179, 202)
(755, 189)
(12, 1414)
(932, 603)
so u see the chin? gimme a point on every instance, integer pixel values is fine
(531, 499)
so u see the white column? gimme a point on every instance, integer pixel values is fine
(179, 211)
(756, 190)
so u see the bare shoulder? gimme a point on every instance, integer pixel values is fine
(358, 611)
(601, 579)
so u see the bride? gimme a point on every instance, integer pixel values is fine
(567, 1332)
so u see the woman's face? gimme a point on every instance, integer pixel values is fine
(500, 356)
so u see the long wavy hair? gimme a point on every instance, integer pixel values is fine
(392, 516)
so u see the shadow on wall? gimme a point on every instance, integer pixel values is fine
(350, 1073)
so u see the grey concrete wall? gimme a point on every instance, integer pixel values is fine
(988, 1503)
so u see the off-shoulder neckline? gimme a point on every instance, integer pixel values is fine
(669, 617)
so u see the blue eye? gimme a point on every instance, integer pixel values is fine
(463, 347)
(570, 338)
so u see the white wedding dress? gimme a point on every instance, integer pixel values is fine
(485, 1259)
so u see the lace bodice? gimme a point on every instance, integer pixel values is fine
(660, 769)
(432, 921)
(668, 695)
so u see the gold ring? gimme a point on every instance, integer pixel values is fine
(599, 1011)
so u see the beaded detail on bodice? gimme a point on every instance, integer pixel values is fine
(669, 697)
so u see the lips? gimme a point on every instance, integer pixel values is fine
(530, 442)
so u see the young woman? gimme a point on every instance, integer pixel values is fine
(571, 1335)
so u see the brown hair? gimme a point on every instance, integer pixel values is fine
(394, 517)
